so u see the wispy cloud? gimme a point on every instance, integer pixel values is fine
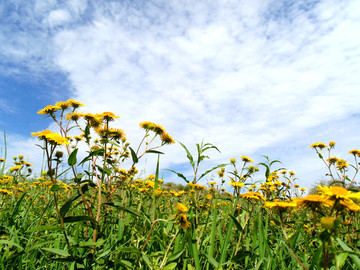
(244, 76)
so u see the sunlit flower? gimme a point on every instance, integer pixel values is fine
(75, 104)
(312, 201)
(336, 192)
(233, 160)
(253, 195)
(181, 208)
(5, 191)
(166, 138)
(354, 152)
(341, 163)
(318, 145)
(208, 197)
(63, 104)
(332, 160)
(280, 205)
(108, 116)
(50, 109)
(246, 159)
(332, 144)
(184, 223)
(236, 184)
(74, 116)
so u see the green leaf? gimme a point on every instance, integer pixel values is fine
(72, 157)
(57, 251)
(208, 171)
(154, 152)
(45, 228)
(355, 258)
(71, 219)
(11, 243)
(133, 155)
(212, 261)
(170, 266)
(65, 208)
(121, 207)
(237, 224)
(90, 243)
(189, 156)
(55, 188)
(179, 174)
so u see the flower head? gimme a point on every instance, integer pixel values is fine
(246, 159)
(50, 109)
(318, 145)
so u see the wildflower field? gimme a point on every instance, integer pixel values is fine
(98, 212)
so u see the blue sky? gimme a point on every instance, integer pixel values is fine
(252, 77)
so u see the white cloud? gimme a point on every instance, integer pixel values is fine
(244, 76)
(59, 17)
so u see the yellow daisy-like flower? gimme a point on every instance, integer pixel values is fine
(312, 201)
(280, 205)
(5, 191)
(332, 144)
(236, 184)
(15, 168)
(341, 163)
(354, 152)
(253, 195)
(108, 116)
(233, 160)
(336, 192)
(246, 159)
(41, 134)
(184, 223)
(318, 145)
(332, 160)
(181, 208)
(56, 138)
(208, 197)
(166, 138)
(74, 116)
(75, 104)
(50, 109)
(350, 205)
(63, 104)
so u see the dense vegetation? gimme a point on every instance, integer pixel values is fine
(104, 216)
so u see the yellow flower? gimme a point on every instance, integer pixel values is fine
(350, 205)
(212, 183)
(75, 104)
(233, 160)
(184, 224)
(253, 195)
(327, 222)
(236, 184)
(354, 152)
(16, 168)
(56, 138)
(5, 191)
(108, 116)
(312, 201)
(332, 160)
(332, 144)
(166, 138)
(50, 109)
(336, 192)
(303, 189)
(181, 208)
(41, 134)
(318, 145)
(246, 159)
(341, 163)
(74, 116)
(280, 205)
(208, 197)
(292, 173)
(63, 104)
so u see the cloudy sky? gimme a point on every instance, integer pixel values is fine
(266, 77)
